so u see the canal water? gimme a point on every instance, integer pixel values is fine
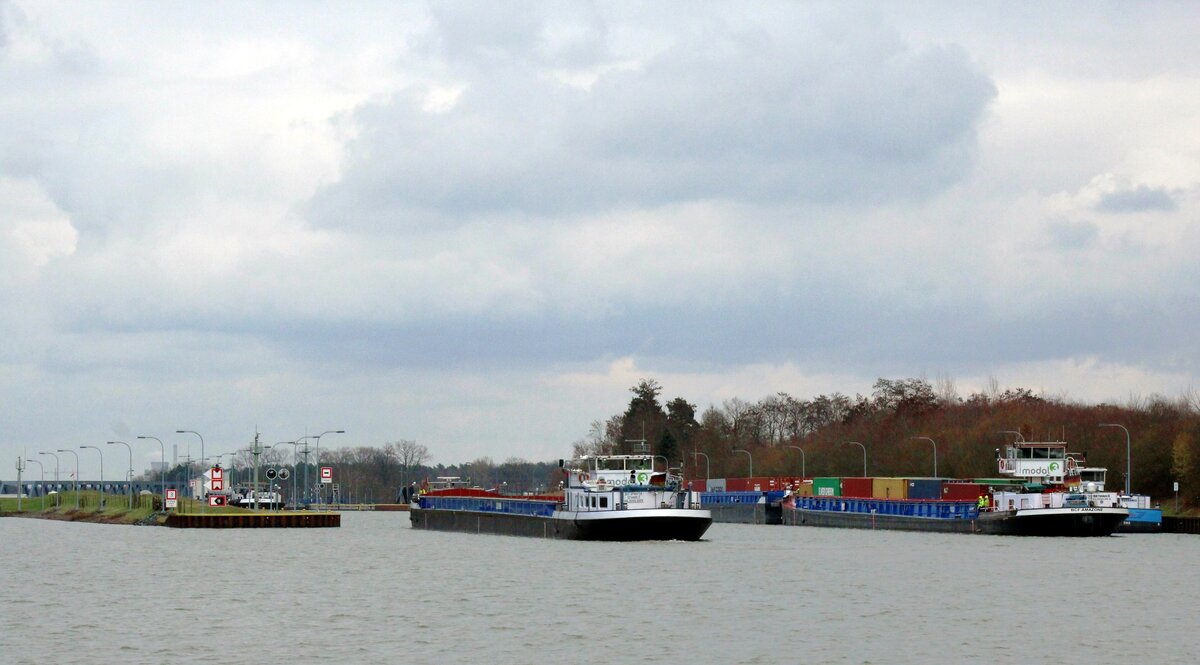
(376, 591)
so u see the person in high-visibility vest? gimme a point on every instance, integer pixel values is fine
(983, 502)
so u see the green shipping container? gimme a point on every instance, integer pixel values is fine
(889, 488)
(827, 486)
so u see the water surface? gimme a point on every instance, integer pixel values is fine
(376, 591)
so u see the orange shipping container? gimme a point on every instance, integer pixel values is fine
(889, 488)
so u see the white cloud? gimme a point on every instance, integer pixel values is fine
(479, 227)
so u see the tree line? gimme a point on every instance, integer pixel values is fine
(1165, 433)
(375, 474)
(1165, 438)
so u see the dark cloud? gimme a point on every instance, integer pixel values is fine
(1066, 234)
(845, 115)
(1139, 199)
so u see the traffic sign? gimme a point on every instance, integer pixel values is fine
(218, 473)
(172, 498)
(284, 474)
(218, 484)
(271, 473)
(216, 500)
(327, 474)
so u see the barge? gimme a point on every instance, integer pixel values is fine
(605, 497)
(1044, 497)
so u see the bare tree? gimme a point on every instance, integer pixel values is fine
(947, 390)
(409, 455)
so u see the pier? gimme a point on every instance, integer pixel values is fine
(1180, 524)
(261, 520)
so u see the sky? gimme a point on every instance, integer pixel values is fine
(477, 225)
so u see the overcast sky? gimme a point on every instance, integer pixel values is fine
(477, 225)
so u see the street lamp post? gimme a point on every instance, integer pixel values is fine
(934, 451)
(1128, 469)
(203, 500)
(129, 478)
(162, 462)
(101, 506)
(76, 482)
(739, 450)
(293, 444)
(39, 463)
(42, 452)
(57, 495)
(707, 465)
(864, 455)
(802, 465)
(317, 451)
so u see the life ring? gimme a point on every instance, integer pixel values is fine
(583, 477)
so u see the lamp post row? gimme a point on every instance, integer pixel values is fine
(1020, 437)
(163, 463)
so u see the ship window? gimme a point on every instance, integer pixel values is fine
(603, 502)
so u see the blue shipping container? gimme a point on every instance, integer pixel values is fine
(924, 488)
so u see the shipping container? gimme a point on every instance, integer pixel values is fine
(760, 483)
(827, 486)
(924, 488)
(715, 485)
(963, 491)
(737, 484)
(697, 485)
(803, 489)
(858, 487)
(889, 488)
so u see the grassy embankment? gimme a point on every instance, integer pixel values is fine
(116, 508)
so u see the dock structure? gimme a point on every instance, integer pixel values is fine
(1181, 524)
(263, 520)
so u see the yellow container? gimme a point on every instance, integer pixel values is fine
(889, 488)
(803, 489)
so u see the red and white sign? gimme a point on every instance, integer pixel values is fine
(217, 474)
(172, 498)
(327, 474)
(216, 500)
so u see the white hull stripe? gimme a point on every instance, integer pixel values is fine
(649, 513)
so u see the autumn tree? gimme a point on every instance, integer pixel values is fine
(644, 419)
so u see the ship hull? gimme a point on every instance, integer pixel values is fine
(1070, 522)
(632, 525)
(844, 520)
(1043, 522)
(1142, 520)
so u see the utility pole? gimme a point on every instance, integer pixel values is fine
(20, 468)
(255, 450)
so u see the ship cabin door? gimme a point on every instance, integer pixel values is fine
(589, 501)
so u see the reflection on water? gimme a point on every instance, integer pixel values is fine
(377, 591)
